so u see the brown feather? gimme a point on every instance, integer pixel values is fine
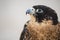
(43, 31)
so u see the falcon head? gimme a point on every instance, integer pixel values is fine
(41, 12)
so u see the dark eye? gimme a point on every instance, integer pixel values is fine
(39, 10)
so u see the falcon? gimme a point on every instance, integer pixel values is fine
(43, 24)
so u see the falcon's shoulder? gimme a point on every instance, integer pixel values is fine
(25, 32)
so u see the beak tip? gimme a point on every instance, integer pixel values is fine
(26, 12)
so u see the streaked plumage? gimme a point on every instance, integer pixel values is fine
(43, 25)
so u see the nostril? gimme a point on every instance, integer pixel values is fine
(32, 9)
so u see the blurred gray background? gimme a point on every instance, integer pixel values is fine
(13, 18)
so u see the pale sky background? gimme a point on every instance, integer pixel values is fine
(13, 18)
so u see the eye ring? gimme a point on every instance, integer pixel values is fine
(39, 11)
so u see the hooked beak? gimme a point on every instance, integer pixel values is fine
(30, 11)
